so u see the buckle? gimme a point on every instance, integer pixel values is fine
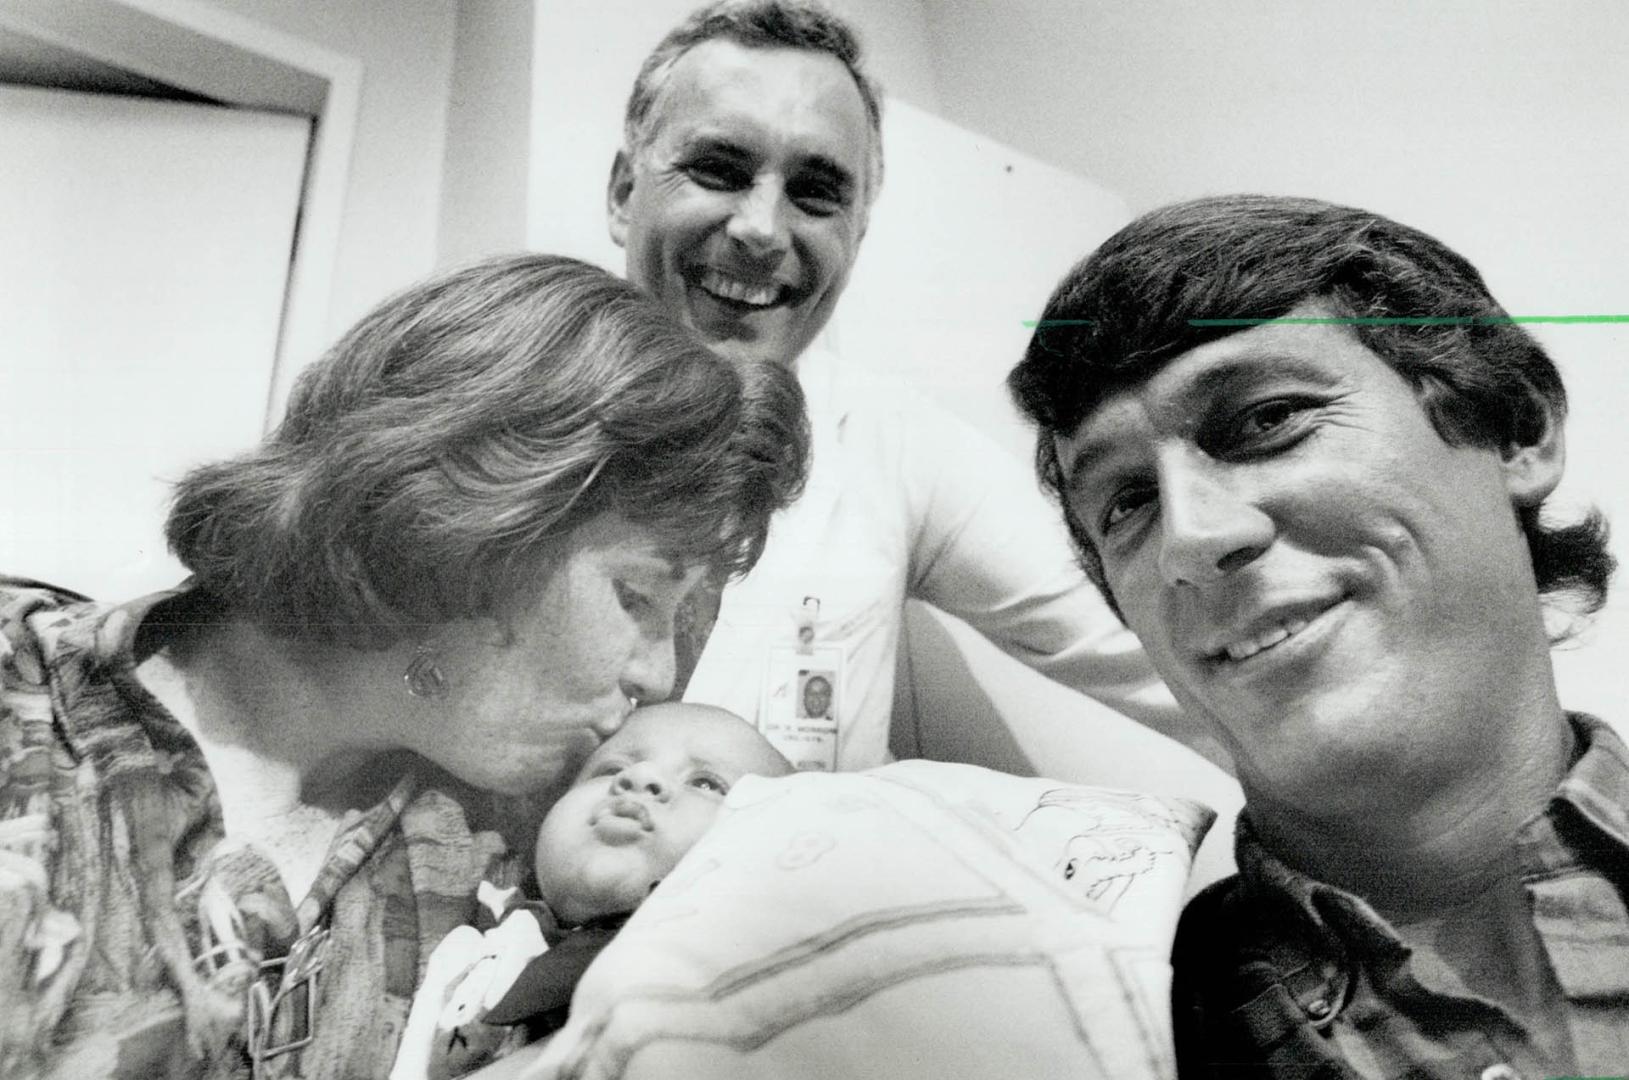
(281, 1013)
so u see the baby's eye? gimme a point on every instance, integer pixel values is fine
(709, 782)
(1069, 869)
(608, 767)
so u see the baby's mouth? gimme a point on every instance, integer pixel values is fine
(624, 806)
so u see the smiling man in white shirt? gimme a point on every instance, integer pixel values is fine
(752, 155)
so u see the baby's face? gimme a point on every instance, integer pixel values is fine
(640, 802)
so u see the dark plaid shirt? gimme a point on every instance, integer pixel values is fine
(1281, 976)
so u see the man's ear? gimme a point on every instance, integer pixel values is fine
(1533, 466)
(617, 192)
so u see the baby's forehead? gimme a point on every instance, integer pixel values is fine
(705, 735)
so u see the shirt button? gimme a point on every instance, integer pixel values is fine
(1500, 1072)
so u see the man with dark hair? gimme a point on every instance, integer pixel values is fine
(753, 153)
(1303, 452)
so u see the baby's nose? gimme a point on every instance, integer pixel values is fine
(643, 779)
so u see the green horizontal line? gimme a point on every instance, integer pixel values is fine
(1420, 320)
(1400, 320)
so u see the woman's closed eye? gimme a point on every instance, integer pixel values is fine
(634, 601)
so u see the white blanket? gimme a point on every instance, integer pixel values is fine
(918, 920)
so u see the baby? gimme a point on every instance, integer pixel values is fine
(642, 800)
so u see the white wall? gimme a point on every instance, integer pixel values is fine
(385, 239)
(487, 159)
(143, 272)
(392, 207)
(1498, 126)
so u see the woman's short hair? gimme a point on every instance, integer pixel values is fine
(1196, 271)
(429, 466)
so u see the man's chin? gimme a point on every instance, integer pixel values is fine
(756, 350)
(755, 336)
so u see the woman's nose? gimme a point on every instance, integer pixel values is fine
(643, 778)
(648, 676)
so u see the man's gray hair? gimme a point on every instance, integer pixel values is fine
(756, 24)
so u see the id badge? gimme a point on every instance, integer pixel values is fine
(800, 704)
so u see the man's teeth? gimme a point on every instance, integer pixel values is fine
(1243, 650)
(739, 291)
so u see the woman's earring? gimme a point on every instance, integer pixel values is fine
(424, 679)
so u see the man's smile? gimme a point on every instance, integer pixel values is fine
(722, 286)
(1269, 631)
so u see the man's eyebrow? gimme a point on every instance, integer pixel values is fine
(1254, 366)
(1089, 457)
(714, 142)
(1217, 380)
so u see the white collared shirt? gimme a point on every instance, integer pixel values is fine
(907, 500)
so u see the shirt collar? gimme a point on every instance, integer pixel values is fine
(101, 637)
(1597, 787)
(1327, 912)
(818, 374)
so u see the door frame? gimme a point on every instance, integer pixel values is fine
(218, 54)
